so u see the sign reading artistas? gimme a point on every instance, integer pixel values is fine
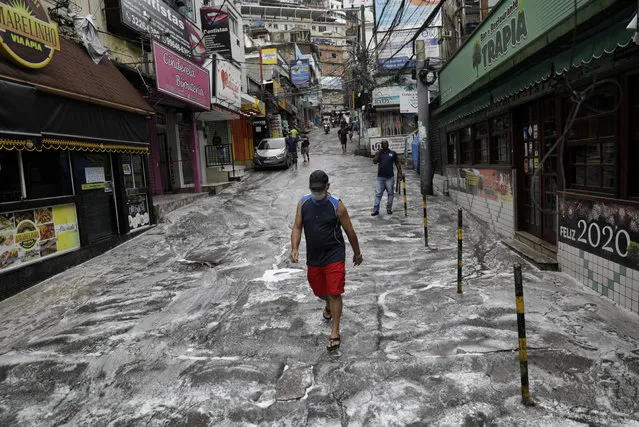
(507, 30)
(215, 22)
(28, 236)
(27, 36)
(164, 24)
(228, 83)
(181, 78)
(608, 230)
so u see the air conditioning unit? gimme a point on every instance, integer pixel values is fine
(447, 34)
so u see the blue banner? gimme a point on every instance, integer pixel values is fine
(395, 63)
(300, 73)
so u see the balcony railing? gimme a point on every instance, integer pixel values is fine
(218, 155)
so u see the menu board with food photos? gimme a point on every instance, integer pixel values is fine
(30, 235)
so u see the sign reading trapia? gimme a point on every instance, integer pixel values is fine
(27, 36)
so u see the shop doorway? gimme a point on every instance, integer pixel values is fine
(93, 179)
(166, 163)
(534, 135)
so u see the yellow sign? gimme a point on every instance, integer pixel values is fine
(27, 35)
(269, 56)
(279, 94)
(257, 107)
(94, 186)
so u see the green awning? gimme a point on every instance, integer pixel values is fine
(603, 39)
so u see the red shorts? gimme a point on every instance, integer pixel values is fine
(327, 279)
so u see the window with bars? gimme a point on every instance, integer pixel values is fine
(482, 138)
(466, 145)
(452, 148)
(500, 140)
(591, 146)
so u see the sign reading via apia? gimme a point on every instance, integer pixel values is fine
(27, 35)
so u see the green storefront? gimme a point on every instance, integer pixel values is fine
(538, 134)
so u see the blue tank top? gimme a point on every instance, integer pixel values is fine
(323, 231)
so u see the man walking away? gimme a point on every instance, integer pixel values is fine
(384, 159)
(306, 143)
(291, 141)
(343, 135)
(322, 216)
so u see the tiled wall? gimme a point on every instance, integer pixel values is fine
(499, 214)
(610, 279)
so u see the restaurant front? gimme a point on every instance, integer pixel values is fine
(538, 137)
(73, 156)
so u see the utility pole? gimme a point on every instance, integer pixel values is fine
(363, 88)
(422, 122)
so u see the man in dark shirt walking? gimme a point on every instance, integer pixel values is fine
(291, 141)
(384, 159)
(322, 216)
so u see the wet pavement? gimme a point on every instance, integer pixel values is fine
(203, 320)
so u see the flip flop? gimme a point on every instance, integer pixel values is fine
(326, 314)
(334, 347)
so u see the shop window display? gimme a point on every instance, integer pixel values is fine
(500, 140)
(452, 148)
(481, 143)
(10, 190)
(466, 145)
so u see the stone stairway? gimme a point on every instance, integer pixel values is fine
(538, 252)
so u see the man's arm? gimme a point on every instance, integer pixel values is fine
(345, 220)
(376, 158)
(296, 234)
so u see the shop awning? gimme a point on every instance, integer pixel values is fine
(72, 74)
(602, 39)
(252, 106)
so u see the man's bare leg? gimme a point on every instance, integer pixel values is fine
(335, 302)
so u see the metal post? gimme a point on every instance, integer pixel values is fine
(521, 331)
(425, 221)
(405, 203)
(459, 251)
(422, 121)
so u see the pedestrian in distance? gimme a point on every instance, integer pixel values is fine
(291, 142)
(305, 148)
(322, 216)
(294, 132)
(385, 158)
(343, 137)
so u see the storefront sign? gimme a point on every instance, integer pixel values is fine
(395, 143)
(605, 229)
(279, 94)
(512, 25)
(31, 235)
(157, 19)
(387, 96)
(27, 36)
(408, 102)
(215, 22)
(269, 56)
(489, 184)
(181, 78)
(228, 83)
(138, 207)
(300, 73)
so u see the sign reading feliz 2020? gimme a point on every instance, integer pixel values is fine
(27, 36)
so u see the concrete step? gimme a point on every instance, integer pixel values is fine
(166, 203)
(542, 261)
(216, 187)
(537, 244)
(238, 175)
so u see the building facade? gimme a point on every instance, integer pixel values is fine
(534, 134)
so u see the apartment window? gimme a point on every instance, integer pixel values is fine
(234, 26)
(466, 145)
(452, 148)
(47, 174)
(314, 27)
(333, 55)
(321, 28)
(591, 145)
(286, 26)
(482, 138)
(500, 140)
(10, 191)
(276, 26)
